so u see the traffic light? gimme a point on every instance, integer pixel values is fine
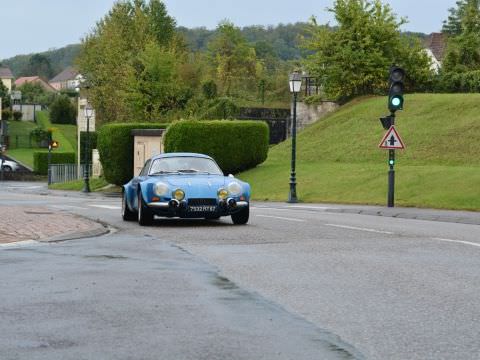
(395, 95)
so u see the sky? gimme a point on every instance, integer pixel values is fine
(40, 25)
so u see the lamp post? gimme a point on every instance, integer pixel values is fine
(86, 170)
(295, 87)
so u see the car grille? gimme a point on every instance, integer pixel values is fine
(199, 202)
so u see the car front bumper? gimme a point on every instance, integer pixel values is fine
(174, 208)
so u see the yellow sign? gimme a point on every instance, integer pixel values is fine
(55, 144)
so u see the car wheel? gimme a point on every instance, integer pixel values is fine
(241, 217)
(7, 168)
(127, 214)
(145, 215)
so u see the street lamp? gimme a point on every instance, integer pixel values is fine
(88, 112)
(295, 87)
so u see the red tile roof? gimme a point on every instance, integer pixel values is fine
(35, 79)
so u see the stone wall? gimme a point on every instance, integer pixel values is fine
(308, 114)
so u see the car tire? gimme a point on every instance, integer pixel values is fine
(7, 168)
(241, 217)
(127, 214)
(145, 215)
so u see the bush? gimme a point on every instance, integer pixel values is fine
(235, 145)
(6, 114)
(220, 108)
(40, 160)
(40, 136)
(17, 115)
(115, 145)
(62, 111)
(83, 140)
(452, 82)
(209, 89)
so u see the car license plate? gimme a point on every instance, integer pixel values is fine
(202, 208)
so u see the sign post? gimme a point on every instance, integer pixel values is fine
(391, 141)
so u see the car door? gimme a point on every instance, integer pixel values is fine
(138, 180)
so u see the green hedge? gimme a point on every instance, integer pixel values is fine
(115, 146)
(235, 145)
(83, 139)
(40, 160)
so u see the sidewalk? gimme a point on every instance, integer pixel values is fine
(41, 224)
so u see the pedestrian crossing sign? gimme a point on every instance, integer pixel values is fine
(392, 140)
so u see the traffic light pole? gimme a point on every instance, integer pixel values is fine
(391, 172)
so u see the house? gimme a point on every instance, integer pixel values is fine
(435, 46)
(68, 79)
(7, 77)
(34, 79)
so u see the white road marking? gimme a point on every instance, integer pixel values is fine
(360, 229)
(281, 218)
(68, 207)
(109, 207)
(267, 208)
(309, 207)
(19, 244)
(458, 241)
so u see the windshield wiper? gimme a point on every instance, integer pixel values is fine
(189, 171)
(164, 172)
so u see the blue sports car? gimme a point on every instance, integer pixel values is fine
(185, 185)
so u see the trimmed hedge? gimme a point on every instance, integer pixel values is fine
(115, 146)
(40, 160)
(235, 145)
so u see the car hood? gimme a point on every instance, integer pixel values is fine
(186, 181)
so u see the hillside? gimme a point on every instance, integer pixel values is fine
(59, 60)
(339, 161)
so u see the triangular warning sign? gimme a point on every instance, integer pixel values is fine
(392, 140)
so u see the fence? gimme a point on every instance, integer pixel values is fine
(62, 173)
(22, 142)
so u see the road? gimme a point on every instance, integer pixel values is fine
(298, 282)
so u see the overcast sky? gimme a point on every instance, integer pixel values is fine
(38, 25)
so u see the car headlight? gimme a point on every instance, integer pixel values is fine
(222, 194)
(161, 189)
(234, 188)
(179, 194)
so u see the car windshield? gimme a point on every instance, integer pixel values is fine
(184, 165)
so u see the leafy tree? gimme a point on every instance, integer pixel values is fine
(353, 59)
(33, 93)
(4, 95)
(62, 111)
(463, 51)
(234, 60)
(38, 65)
(453, 25)
(114, 59)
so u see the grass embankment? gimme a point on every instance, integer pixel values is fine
(66, 135)
(339, 161)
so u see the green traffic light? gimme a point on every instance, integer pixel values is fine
(396, 102)
(391, 162)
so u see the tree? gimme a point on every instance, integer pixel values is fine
(353, 58)
(453, 25)
(4, 95)
(38, 65)
(463, 50)
(233, 59)
(34, 93)
(111, 57)
(62, 111)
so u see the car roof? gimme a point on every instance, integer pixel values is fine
(170, 155)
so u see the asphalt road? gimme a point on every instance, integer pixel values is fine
(305, 282)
